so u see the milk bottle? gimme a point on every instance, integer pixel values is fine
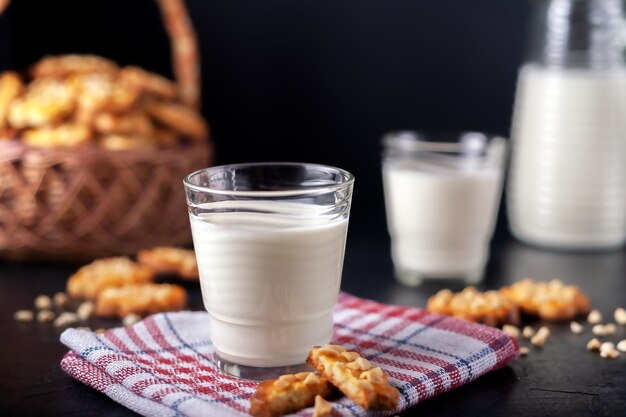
(567, 183)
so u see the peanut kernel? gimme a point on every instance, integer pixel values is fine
(609, 354)
(621, 346)
(23, 315)
(311, 379)
(45, 316)
(594, 317)
(511, 330)
(281, 384)
(620, 316)
(593, 344)
(528, 332)
(576, 327)
(350, 356)
(43, 302)
(523, 351)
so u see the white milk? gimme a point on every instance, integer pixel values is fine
(269, 282)
(567, 179)
(440, 220)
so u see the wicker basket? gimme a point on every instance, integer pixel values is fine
(70, 204)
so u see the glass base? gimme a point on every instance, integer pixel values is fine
(258, 373)
(414, 278)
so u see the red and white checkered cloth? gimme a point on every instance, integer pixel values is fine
(164, 365)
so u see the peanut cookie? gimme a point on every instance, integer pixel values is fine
(179, 118)
(45, 103)
(489, 307)
(142, 299)
(11, 87)
(288, 394)
(92, 279)
(168, 260)
(63, 135)
(64, 65)
(549, 300)
(125, 142)
(134, 123)
(148, 82)
(100, 92)
(363, 383)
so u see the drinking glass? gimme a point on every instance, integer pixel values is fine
(269, 239)
(442, 193)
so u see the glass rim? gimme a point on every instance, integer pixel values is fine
(348, 180)
(437, 140)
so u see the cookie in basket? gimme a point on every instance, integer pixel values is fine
(90, 280)
(170, 261)
(141, 299)
(548, 300)
(489, 307)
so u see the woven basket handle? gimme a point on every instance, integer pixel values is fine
(184, 45)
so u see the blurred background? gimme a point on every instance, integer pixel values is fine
(312, 81)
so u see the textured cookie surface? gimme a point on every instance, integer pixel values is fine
(363, 383)
(288, 393)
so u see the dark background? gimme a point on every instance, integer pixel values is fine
(315, 81)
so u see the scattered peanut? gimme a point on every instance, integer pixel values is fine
(593, 344)
(45, 316)
(576, 327)
(607, 346)
(24, 315)
(540, 338)
(620, 316)
(523, 351)
(610, 328)
(131, 319)
(598, 330)
(43, 302)
(528, 332)
(85, 310)
(65, 319)
(60, 299)
(100, 330)
(609, 354)
(511, 330)
(594, 317)
(622, 345)
(322, 407)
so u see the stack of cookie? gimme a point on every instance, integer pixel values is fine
(337, 370)
(73, 100)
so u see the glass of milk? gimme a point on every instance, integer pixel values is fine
(442, 193)
(270, 240)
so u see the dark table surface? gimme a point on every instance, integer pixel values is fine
(560, 379)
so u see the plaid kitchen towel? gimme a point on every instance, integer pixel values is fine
(164, 365)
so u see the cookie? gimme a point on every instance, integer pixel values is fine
(141, 299)
(11, 87)
(65, 65)
(489, 307)
(124, 142)
(45, 103)
(548, 300)
(148, 82)
(93, 278)
(288, 394)
(135, 123)
(179, 118)
(63, 135)
(359, 380)
(171, 261)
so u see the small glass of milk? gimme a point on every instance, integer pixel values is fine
(442, 193)
(270, 240)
